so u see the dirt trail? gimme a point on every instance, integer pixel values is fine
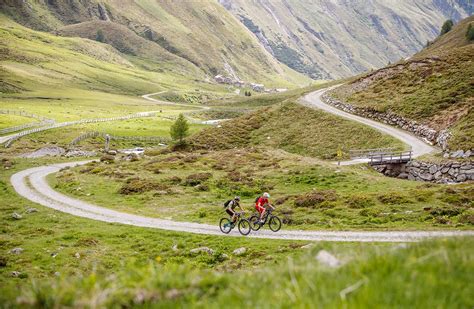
(418, 146)
(31, 184)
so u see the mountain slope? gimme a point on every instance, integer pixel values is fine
(435, 87)
(333, 39)
(201, 34)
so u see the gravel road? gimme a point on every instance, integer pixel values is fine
(418, 146)
(31, 184)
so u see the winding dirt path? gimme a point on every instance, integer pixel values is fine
(418, 146)
(32, 184)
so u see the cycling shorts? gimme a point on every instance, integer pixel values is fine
(259, 208)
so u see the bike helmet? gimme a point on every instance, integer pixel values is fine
(237, 198)
(266, 195)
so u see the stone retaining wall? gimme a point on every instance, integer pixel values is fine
(447, 172)
(429, 134)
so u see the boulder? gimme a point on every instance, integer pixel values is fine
(433, 169)
(461, 178)
(31, 210)
(467, 154)
(426, 176)
(403, 176)
(457, 154)
(16, 216)
(15, 274)
(327, 259)
(16, 251)
(239, 251)
(202, 249)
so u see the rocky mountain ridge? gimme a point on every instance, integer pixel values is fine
(333, 39)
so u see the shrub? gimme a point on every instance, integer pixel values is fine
(136, 185)
(3, 261)
(449, 212)
(369, 212)
(468, 219)
(447, 26)
(196, 179)
(358, 201)
(174, 180)
(107, 158)
(100, 37)
(393, 198)
(315, 198)
(470, 33)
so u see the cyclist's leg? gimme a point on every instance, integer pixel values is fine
(231, 214)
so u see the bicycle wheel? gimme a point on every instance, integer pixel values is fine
(244, 227)
(274, 224)
(255, 223)
(225, 225)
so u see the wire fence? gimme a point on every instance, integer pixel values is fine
(95, 134)
(42, 121)
(17, 136)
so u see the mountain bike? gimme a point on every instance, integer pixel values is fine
(274, 223)
(226, 225)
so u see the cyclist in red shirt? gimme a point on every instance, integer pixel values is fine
(261, 203)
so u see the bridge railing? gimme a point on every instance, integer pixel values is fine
(391, 157)
(367, 153)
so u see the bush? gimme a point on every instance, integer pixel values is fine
(196, 179)
(449, 212)
(315, 198)
(470, 33)
(359, 201)
(447, 26)
(393, 198)
(100, 37)
(136, 185)
(107, 158)
(3, 261)
(467, 219)
(174, 180)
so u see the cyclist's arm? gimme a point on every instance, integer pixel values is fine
(271, 206)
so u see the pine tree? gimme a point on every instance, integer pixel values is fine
(447, 26)
(179, 130)
(470, 33)
(100, 36)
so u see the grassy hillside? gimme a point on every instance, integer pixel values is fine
(294, 128)
(434, 87)
(221, 46)
(342, 38)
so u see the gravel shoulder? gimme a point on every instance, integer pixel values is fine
(418, 146)
(32, 185)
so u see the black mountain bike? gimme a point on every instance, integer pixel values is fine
(243, 224)
(274, 223)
